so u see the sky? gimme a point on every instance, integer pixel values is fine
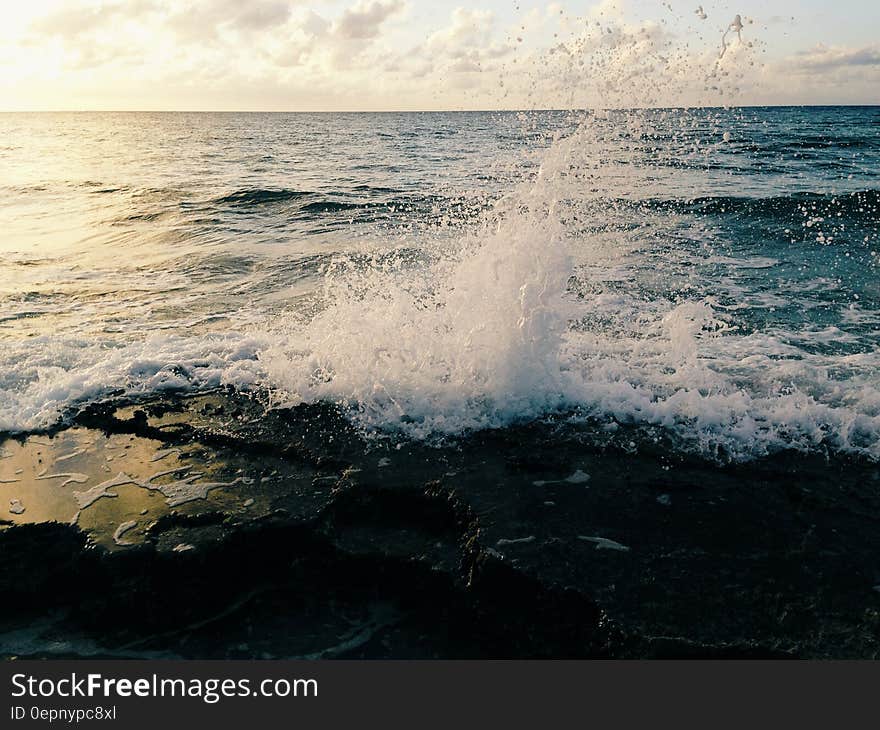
(294, 55)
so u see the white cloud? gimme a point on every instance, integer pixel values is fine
(401, 54)
(824, 75)
(363, 21)
(73, 19)
(468, 28)
(824, 58)
(204, 20)
(468, 45)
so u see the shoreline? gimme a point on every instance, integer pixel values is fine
(284, 534)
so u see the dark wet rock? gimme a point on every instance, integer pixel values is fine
(331, 545)
(40, 563)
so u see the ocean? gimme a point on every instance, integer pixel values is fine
(703, 279)
(455, 385)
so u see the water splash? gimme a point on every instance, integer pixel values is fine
(463, 340)
(506, 324)
(514, 319)
(737, 27)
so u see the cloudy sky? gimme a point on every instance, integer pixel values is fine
(416, 54)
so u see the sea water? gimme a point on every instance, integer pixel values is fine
(708, 274)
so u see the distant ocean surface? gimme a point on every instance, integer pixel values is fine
(709, 279)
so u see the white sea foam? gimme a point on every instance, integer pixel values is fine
(68, 477)
(603, 543)
(488, 334)
(42, 377)
(185, 489)
(99, 491)
(469, 340)
(121, 530)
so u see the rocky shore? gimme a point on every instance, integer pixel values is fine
(208, 527)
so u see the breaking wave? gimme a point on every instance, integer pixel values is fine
(494, 329)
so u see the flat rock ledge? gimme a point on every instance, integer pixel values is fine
(304, 539)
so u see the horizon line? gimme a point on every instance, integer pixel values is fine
(433, 111)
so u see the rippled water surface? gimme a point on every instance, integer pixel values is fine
(708, 275)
